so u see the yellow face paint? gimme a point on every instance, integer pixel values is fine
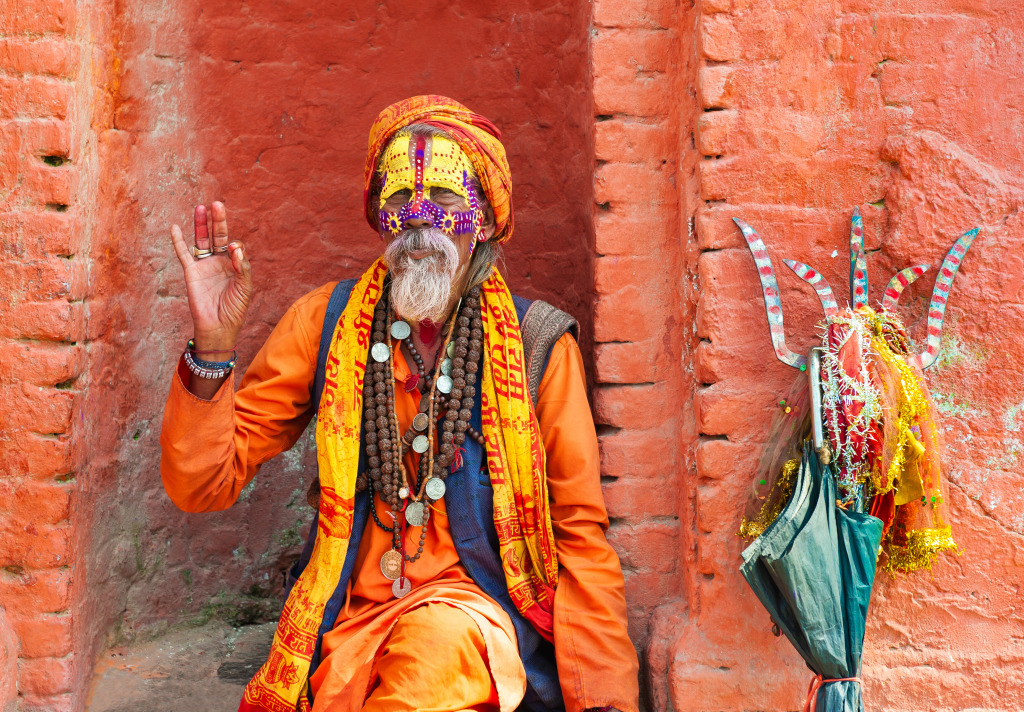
(428, 166)
(421, 163)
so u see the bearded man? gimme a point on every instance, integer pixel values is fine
(458, 560)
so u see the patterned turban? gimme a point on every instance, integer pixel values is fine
(478, 137)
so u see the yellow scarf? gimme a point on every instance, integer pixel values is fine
(515, 462)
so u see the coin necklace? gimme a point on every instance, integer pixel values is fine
(452, 389)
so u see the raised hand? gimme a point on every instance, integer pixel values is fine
(219, 286)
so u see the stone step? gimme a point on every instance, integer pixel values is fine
(184, 670)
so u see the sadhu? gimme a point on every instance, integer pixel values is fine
(458, 560)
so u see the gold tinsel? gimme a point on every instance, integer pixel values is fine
(773, 502)
(913, 405)
(921, 550)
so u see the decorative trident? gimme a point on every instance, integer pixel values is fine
(858, 288)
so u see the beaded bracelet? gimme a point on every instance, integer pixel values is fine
(208, 369)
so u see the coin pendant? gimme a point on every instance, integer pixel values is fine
(400, 330)
(420, 443)
(414, 514)
(401, 587)
(446, 367)
(451, 349)
(444, 383)
(380, 352)
(420, 422)
(435, 488)
(391, 564)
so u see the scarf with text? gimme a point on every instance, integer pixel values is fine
(515, 463)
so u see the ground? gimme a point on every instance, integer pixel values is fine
(185, 670)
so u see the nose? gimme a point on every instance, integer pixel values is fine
(418, 222)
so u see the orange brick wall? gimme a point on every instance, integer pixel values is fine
(46, 179)
(655, 122)
(912, 111)
(644, 64)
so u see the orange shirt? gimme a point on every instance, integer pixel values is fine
(204, 469)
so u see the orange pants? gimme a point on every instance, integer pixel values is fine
(435, 660)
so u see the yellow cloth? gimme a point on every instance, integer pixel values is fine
(350, 652)
(205, 469)
(515, 464)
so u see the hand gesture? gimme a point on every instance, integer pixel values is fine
(218, 280)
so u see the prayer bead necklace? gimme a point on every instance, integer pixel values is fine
(451, 388)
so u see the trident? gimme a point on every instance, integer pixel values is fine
(858, 298)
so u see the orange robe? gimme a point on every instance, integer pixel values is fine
(205, 469)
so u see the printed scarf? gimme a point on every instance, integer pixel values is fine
(515, 462)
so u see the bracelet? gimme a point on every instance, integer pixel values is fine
(191, 346)
(208, 369)
(202, 363)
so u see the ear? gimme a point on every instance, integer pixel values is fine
(489, 227)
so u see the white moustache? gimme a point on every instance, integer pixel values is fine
(420, 288)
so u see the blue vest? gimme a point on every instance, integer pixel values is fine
(468, 499)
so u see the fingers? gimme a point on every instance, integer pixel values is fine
(239, 261)
(180, 248)
(219, 221)
(202, 228)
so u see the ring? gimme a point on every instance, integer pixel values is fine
(221, 249)
(200, 254)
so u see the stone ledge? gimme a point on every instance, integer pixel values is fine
(182, 671)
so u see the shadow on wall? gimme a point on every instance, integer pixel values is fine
(266, 106)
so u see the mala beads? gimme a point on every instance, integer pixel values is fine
(446, 405)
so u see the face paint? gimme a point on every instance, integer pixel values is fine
(426, 166)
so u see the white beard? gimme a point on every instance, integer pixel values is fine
(420, 289)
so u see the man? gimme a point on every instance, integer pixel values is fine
(459, 559)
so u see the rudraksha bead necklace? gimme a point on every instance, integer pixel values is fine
(448, 395)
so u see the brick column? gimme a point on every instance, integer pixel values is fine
(808, 110)
(644, 304)
(43, 283)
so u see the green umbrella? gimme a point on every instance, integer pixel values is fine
(813, 569)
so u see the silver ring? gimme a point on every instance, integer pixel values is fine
(221, 249)
(200, 254)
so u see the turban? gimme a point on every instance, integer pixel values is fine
(477, 136)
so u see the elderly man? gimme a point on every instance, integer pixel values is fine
(458, 561)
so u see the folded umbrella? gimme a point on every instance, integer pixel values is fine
(813, 569)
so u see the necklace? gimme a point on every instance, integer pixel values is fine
(446, 404)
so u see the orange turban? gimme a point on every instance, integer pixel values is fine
(478, 137)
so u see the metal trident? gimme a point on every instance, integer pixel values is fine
(858, 288)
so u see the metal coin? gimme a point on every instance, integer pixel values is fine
(391, 564)
(401, 587)
(400, 330)
(420, 443)
(444, 383)
(380, 352)
(420, 422)
(451, 349)
(414, 514)
(446, 367)
(435, 488)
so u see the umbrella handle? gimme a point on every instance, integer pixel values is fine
(814, 379)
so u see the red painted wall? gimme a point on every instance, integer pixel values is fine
(911, 110)
(636, 130)
(267, 105)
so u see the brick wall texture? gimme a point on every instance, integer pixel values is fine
(636, 130)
